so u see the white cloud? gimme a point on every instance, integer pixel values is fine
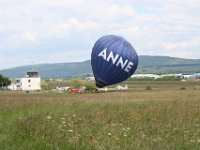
(73, 25)
(184, 45)
(57, 2)
(64, 56)
(23, 38)
(46, 27)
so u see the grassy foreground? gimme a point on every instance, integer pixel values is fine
(166, 117)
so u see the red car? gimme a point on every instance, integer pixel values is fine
(75, 91)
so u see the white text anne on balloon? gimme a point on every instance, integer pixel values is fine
(117, 60)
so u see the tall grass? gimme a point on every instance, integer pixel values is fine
(157, 119)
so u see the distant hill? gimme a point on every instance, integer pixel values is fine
(147, 64)
(166, 64)
(57, 70)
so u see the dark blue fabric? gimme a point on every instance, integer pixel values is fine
(105, 72)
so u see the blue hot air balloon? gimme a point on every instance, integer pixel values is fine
(113, 60)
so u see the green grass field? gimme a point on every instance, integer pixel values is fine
(149, 116)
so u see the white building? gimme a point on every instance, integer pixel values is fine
(142, 76)
(90, 79)
(29, 83)
(186, 76)
(195, 76)
(171, 75)
(12, 87)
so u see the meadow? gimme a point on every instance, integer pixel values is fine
(151, 115)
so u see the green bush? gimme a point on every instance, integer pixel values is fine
(169, 78)
(77, 83)
(148, 87)
(44, 85)
(4, 82)
(183, 88)
(90, 86)
(142, 79)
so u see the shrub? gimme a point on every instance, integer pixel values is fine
(169, 78)
(77, 83)
(148, 87)
(44, 85)
(183, 88)
(90, 86)
(4, 82)
(142, 79)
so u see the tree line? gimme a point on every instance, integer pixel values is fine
(4, 82)
(166, 78)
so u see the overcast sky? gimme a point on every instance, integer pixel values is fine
(53, 31)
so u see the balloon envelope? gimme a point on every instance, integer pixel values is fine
(113, 60)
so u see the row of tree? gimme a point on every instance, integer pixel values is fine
(166, 78)
(4, 82)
